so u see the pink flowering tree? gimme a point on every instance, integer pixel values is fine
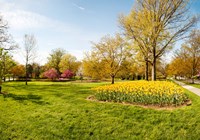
(67, 74)
(51, 74)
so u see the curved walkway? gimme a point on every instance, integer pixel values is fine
(190, 88)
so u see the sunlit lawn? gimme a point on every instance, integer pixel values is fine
(195, 85)
(46, 110)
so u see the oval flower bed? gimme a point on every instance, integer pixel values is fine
(160, 93)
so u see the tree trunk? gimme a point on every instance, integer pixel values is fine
(26, 78)
(1, 84)
(27, 73)
(113, 79)
(147, 71)
(154, 70)
(192, 77)
(1, 76)
(26, 81)
(154, 64)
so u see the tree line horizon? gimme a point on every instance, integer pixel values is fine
(148, 32)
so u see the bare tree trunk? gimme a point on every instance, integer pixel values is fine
(192, 77)
(113, 79)
(29, 47)
(147, 71)
(1, 83)
(154, 64)
(26, 74)
(154, 70)
(1, 76)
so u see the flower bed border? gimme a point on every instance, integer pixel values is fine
(156, 107)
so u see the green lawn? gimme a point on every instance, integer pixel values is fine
(195, 85)
(45, 110)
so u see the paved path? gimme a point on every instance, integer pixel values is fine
(190, 88)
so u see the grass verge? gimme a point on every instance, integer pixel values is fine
(195, 85)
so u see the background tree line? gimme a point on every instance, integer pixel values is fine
(148, 32)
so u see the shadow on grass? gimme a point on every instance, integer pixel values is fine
(30, 97)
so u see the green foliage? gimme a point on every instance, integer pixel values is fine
(47, 110)
(18, 70)
(55, 58)
(106, 57)
(69, 62)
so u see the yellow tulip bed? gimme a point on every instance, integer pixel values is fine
(160, 93)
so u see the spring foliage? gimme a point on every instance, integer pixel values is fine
(155, 25)
(67, 74)
(51, 74)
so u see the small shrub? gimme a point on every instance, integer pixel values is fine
(51, 74)
(143, 92)
(67, 74)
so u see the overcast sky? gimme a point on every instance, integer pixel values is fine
(67, 24)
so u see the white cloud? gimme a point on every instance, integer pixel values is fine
(79, 7)
(24, 20)
(6, 6)
(20, 19)
(50, 32)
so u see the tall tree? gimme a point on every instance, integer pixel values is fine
(156, 25)
(176, 68)
(193, 48)
(111, 51)
(36, 70)
(8, 63)
(55, 58)
(190, 52)
(6, 44)
(69, 62)
(18, 71)
(94, 67)
(30, 49)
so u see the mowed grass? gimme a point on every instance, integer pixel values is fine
(46, 110)
(195, 85)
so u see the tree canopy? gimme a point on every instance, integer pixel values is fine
(155, 25)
